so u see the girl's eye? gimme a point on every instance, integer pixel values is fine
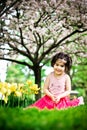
(62, 65)
(57, 65)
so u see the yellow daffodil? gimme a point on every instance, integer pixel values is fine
(8, 92)
(34, 88)
(3, 90)
(5, 98)
(18, 94)
(13, 87)
(19, 90)
(29, 82)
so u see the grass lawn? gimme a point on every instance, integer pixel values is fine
(33, 119)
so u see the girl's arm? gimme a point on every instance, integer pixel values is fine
(46, 91)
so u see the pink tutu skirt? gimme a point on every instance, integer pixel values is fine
(46, 102)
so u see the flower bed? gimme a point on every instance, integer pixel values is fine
(13, 94)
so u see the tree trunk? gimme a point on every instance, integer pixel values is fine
(37, 74)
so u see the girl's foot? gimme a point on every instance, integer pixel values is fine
(81, 100)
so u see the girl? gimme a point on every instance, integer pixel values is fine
(57, 86)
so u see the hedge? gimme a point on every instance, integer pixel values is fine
(33, 119)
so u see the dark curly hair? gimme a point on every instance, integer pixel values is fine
(64, 56)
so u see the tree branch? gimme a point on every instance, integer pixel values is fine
(11, 5)
(18, 62)
(22, 43)
(59, 42)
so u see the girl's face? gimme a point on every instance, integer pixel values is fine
(59, 67)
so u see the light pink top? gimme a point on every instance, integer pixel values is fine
(57, 85)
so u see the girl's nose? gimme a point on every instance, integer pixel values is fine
(58, 67)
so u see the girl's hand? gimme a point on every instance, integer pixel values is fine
(53, 98)
(57, 99)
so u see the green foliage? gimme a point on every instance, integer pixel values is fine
(18, 73)
(34, 119)
(79, 76)
(14, 102)
(15, 73)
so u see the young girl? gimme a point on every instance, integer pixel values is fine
(57, 86)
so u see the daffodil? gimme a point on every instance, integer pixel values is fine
(3, 90)
(34, 88)
(18, 94)
(29, 82)
(13, 87)
(9, 90)
(5, 98)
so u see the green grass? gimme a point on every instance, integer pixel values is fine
(33, 119)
